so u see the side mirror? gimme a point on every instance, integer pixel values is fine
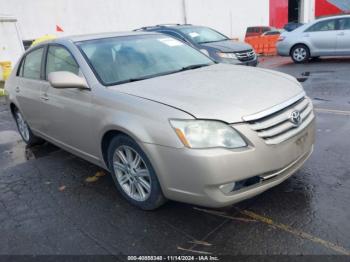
(65, 79)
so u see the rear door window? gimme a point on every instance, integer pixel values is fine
(32, 64)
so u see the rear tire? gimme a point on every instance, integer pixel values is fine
(300, 54)
(24, 130)
(133, 174)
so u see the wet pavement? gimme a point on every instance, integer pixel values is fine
(46, 207)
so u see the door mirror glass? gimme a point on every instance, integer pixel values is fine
(65, 79)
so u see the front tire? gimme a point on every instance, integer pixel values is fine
(300, 54)
(133, 173)
(24, 130)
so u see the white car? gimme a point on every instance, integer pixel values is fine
(323, 37)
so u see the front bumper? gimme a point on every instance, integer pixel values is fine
(253, 62)
(194, 176)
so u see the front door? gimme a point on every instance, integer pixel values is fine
(66, 112)
(343, 37)
(322, 37)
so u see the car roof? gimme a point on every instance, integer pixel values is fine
(78, 38)
(332, 17)
(86, 37)
(167, 26)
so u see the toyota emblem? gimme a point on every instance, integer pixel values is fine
(295, 118)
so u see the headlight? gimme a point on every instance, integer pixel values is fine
(207, 134)
(227, 55)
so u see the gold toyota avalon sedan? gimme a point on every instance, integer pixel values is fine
(163, 118)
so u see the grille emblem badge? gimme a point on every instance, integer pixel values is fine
(295, 118)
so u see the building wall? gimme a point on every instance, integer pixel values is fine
(231, 17)
(307, 12)
(278, 13)
(39, 17)
(326, 7)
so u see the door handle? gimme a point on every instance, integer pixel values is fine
(44, 97)
(306, 35)
(342, 33)
(18, 89)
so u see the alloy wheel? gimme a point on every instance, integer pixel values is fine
(22, 126)
(132, 173)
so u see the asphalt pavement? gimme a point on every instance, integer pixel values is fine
(48, 208)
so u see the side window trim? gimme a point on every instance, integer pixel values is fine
(43, 63)
(20, 67)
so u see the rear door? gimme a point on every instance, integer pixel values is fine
(343, 36)
(29, 83)
(322, 38)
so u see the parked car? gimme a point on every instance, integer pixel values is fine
(323, 37)
(212, 43)
(165, 120)
(258, 30)
(292, 26)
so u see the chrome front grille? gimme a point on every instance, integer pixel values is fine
(278, 126)
(245, 55)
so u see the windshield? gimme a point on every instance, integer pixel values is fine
(202, 35)
(131, 58)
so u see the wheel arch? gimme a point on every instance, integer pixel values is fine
(13, 107)
(301, 43)
(106, 139)
(111, 132)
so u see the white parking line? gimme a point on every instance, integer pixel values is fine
(332, 111)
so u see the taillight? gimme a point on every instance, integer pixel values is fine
(281, 38)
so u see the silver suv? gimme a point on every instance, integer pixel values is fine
(164, 119)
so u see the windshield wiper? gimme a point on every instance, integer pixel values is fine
(207, 42)
(190, 67)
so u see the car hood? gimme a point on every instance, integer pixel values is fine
(228, 46)
(220, 92)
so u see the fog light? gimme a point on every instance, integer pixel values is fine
(227, 188)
